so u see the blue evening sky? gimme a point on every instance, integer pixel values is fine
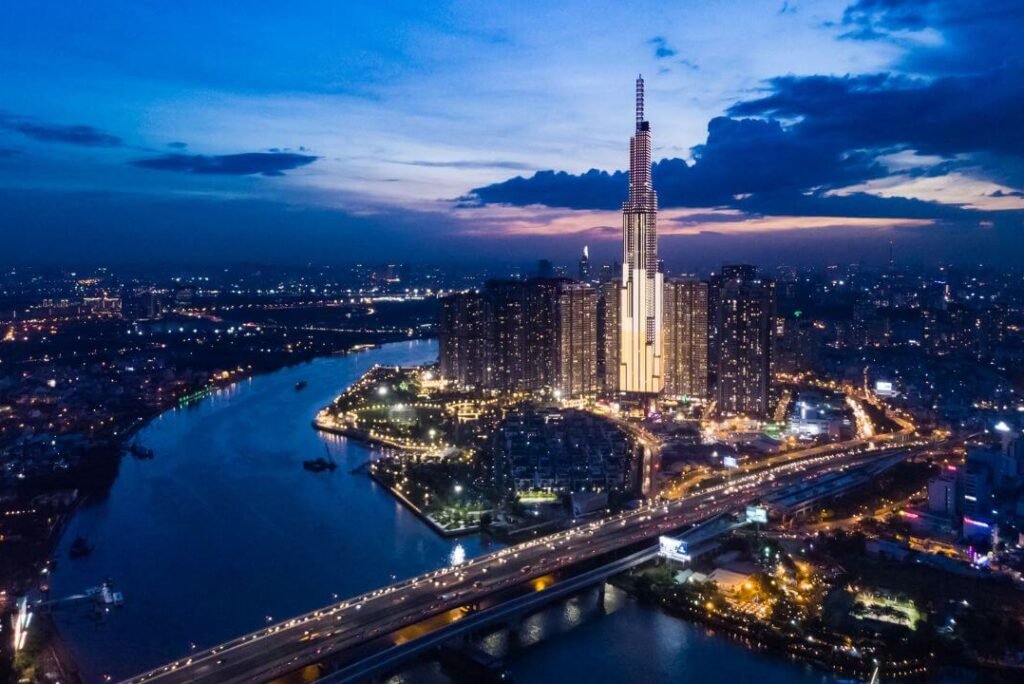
(341, 130)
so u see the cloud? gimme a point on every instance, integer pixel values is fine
(941, 36)
(470, 164)
(944, 116)
(875, 19)
(246, 164)
(177, 145)
(6, 152)
(792, 150)
(87, 136)
(740, 157)
(661, 48)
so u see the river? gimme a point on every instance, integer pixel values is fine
(224, 530)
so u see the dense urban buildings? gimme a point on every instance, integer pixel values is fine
(550, 333)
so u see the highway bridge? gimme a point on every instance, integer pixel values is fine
(366, 634)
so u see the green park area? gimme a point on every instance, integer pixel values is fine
(390, 405)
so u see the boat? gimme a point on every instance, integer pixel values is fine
(319, 465)
(300, 385)
(80, 548)
(139, 451)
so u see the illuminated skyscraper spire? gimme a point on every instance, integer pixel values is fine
(639, 101)
(641, 338)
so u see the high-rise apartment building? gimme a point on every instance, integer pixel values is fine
(686, 339)
(577, 341)
(608, 351)
(464, 339)
(540, 332)
(506, 349)
(743, 325)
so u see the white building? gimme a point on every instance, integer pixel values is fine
(641, 340)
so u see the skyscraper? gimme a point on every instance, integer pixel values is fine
(686, 338)
(507, 333)
(744, 313)
(577, 340)
(540, 332)
(464, 339)
(640, 318)
(584, 270)
(608, 328)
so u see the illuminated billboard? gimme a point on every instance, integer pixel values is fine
(675, 549)
(757, 514)
(884, 388)
(730, 462)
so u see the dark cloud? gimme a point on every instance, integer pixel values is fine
(48, 132)
(857, 204)
(741, 156)
(591, 190)
(246, 164)
(9, 152)
(975, 36)
(177, 145)
(661, 48)
(944, 116)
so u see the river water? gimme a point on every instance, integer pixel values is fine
(224, 530)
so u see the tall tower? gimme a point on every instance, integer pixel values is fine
(584, 270)
(640, 299)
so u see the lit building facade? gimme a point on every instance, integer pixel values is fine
(686, 339)
(744, 314)
(577, 341)
(584, 265)
(608, 334)
(641, 338)
(463, 339)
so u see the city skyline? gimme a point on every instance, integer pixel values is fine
(341, 342)
(151, 126)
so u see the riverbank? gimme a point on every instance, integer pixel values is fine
(828, 651)
(423, 515)
(92, 483)
(225, 527)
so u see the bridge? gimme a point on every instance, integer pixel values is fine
(369, 634)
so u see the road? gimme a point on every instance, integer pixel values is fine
(285, 647)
